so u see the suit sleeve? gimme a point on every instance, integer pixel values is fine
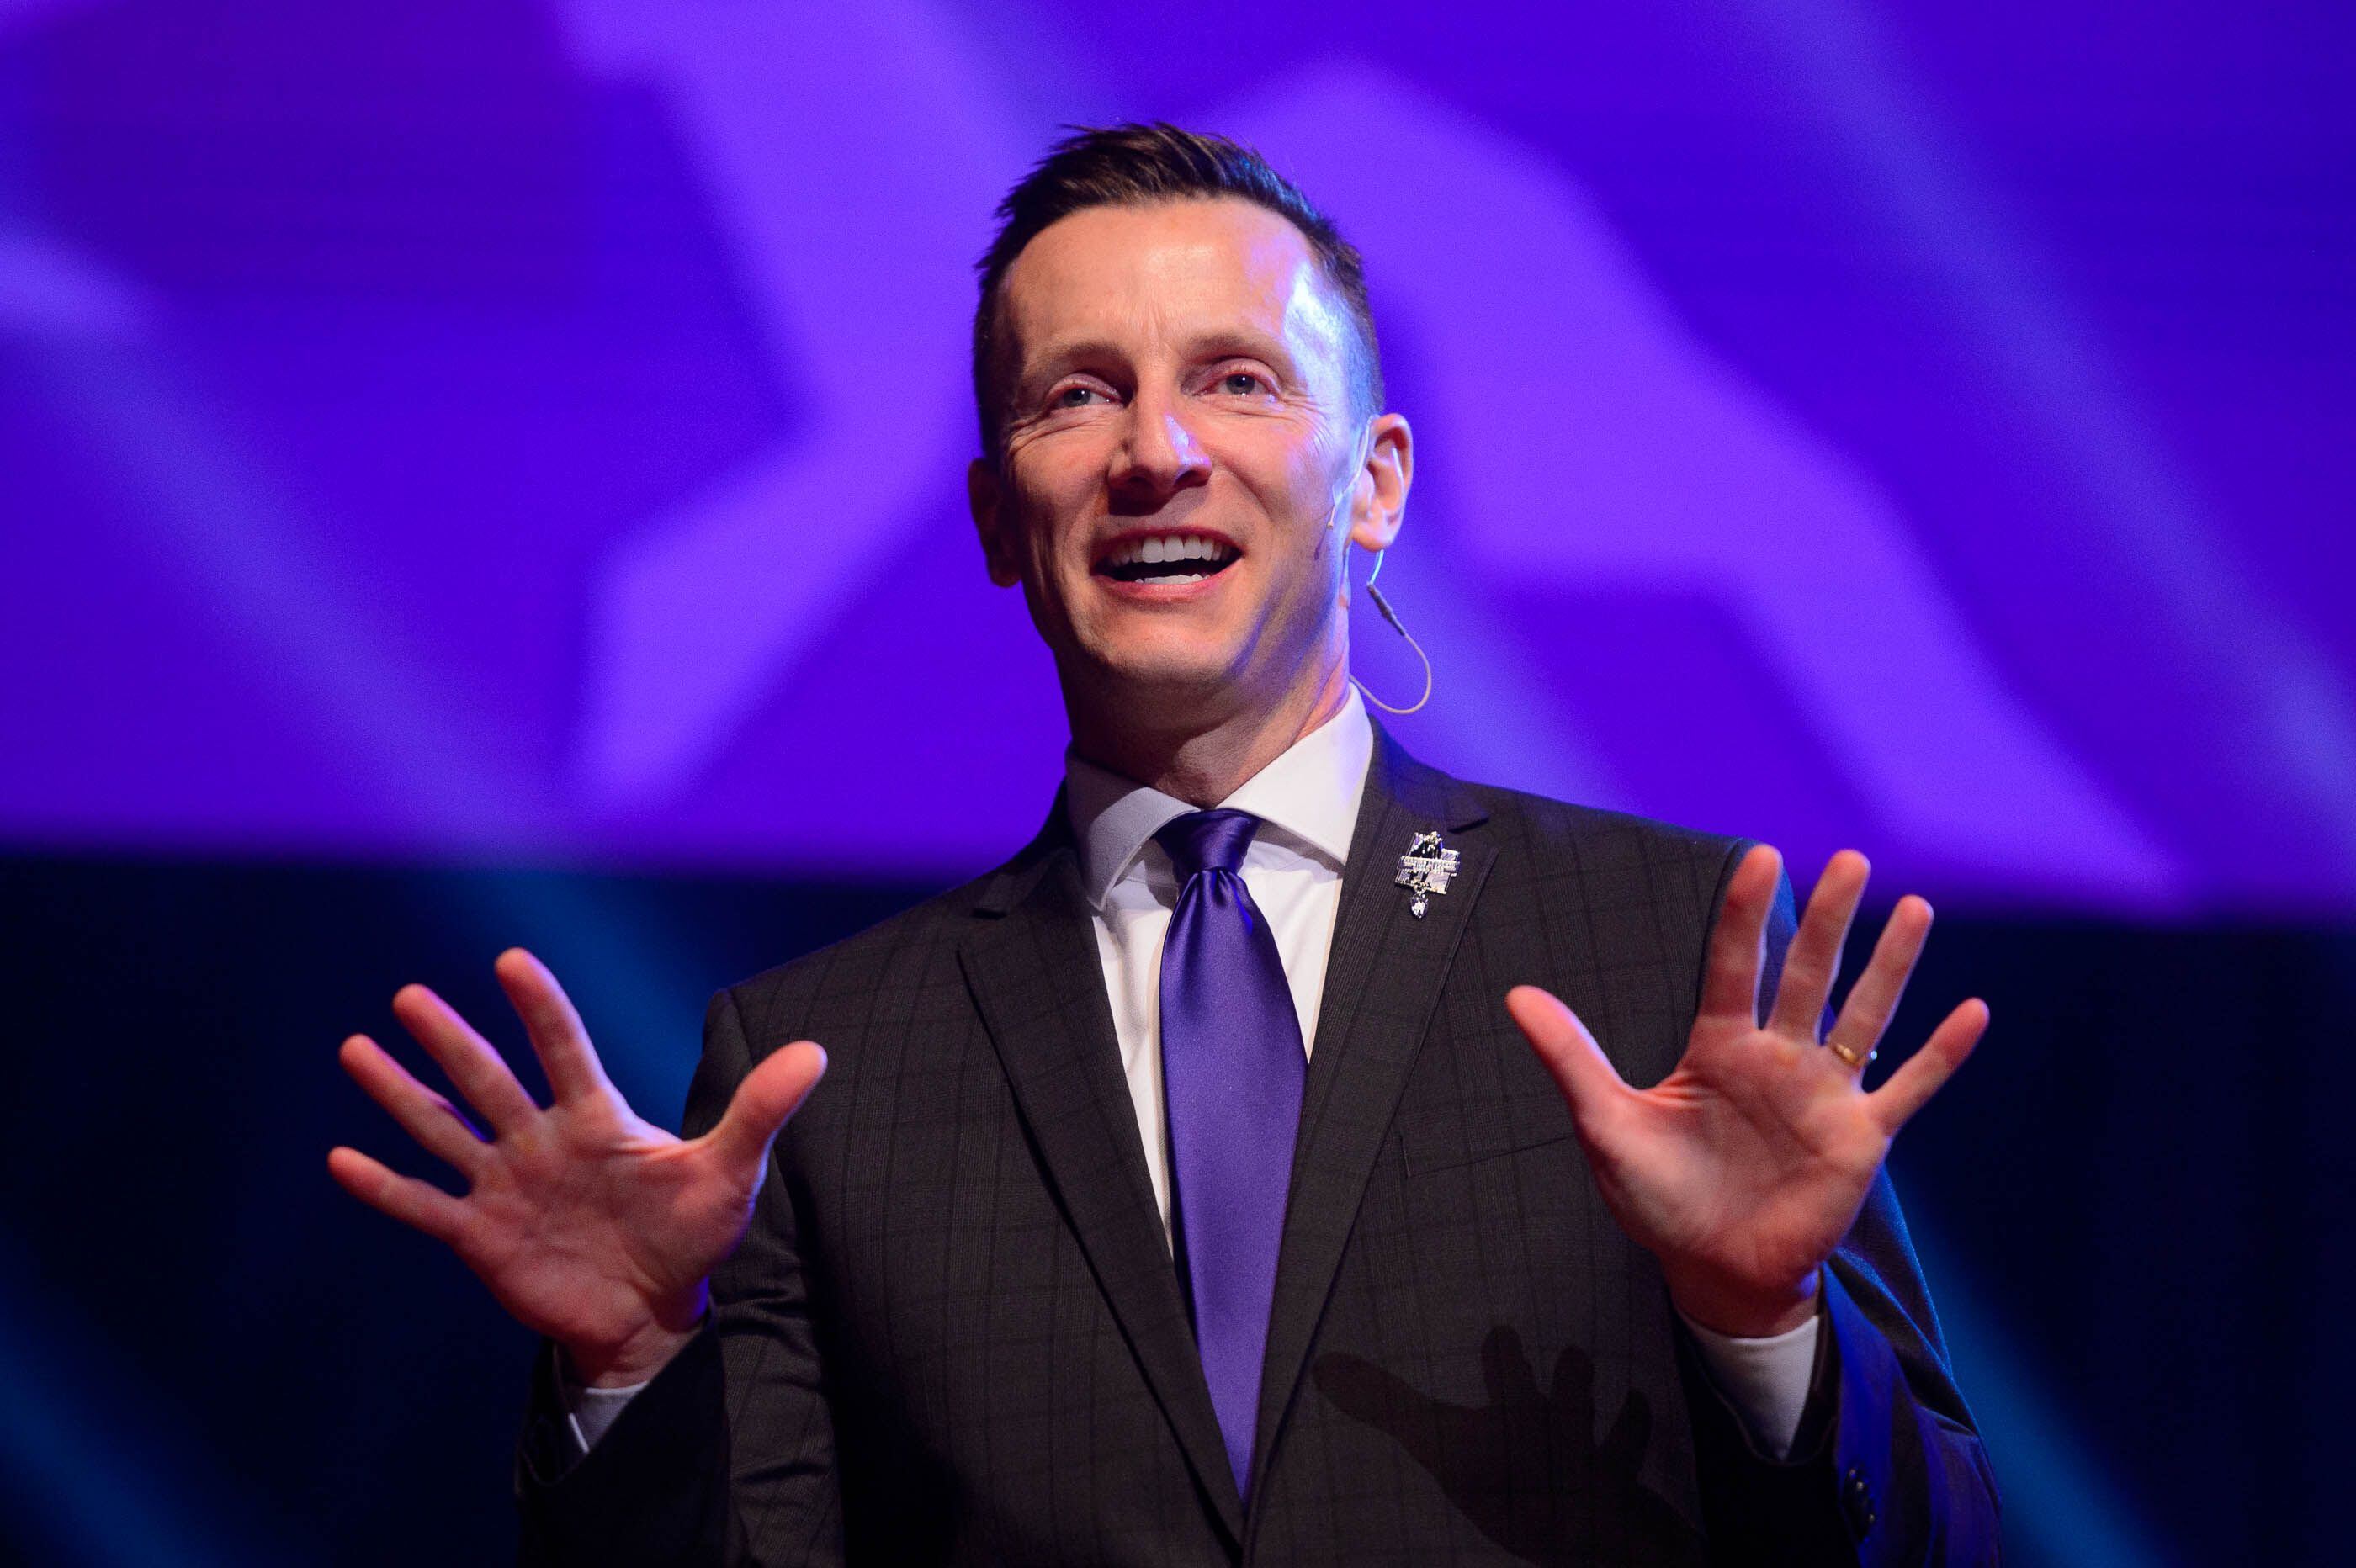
(728, 1457)
(1887, 1467)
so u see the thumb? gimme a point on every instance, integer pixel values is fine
(772, 1092)
(1586, 1077)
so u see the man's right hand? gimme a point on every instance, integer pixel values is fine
(591, 1226)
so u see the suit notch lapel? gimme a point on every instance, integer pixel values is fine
(1382, 983)
(1032, 969)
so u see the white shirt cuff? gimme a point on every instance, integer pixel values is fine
(1766, 1380)
(589, 1411)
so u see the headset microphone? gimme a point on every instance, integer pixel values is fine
(1400, 626)
(1333, 516)
(1349, 479)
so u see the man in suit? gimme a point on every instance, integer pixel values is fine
(1294, 1154)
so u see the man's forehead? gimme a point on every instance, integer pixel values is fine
(1188, 266)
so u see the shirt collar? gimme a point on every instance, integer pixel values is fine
(1311, 793)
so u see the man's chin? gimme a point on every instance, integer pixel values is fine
(1166, 673)
(1170, 670)
(1172, 679)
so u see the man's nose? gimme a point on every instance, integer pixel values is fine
(1157, 454)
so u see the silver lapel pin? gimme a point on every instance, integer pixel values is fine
(1424, 870)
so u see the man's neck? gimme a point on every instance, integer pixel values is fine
(1205, 763)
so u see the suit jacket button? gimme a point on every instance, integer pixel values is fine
(1856, 1502)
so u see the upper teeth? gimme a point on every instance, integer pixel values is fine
(1168, 547)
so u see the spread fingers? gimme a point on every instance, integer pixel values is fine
(1730, 979)
(482, 1078)
(1813, 959)
(1874, 997)
(417, 1204)
(439, 1127)
(1923, 1074)
(557, 1037)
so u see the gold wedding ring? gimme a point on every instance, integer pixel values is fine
(1858, 1062)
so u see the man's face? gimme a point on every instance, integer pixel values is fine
(1180, 464)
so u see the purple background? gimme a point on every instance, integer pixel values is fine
(489, 471)
(499, 430)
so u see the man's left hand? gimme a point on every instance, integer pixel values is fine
(1744, 1168)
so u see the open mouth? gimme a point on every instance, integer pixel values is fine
(1167, 559)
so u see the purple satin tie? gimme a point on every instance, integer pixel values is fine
(1232, 1066)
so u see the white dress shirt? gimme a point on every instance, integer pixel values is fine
(1307, 801)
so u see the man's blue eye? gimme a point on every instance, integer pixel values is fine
(1242, 383)
(1070, 397)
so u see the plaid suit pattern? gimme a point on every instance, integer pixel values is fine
(954, 1333)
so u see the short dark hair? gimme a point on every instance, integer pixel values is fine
(1135, 165)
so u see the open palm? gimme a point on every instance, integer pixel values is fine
(590, 1225)
(1742, 1169)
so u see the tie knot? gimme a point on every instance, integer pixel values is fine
(1207, 841)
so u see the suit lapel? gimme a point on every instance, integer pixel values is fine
(1033, 967)
(1382, 982)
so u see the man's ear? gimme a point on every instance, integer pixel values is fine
(985, 497)
(1378, 509)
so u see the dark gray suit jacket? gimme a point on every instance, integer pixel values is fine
(954, 1332)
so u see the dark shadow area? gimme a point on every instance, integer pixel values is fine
(1527, 1468)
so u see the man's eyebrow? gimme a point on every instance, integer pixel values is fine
(1055, 357)
(1242, 342)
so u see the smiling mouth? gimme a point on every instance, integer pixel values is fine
(1168, 559)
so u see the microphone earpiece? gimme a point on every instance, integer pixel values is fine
(1400, 626)
(1332, 518)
